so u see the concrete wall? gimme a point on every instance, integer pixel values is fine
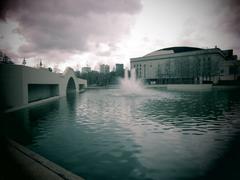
(190, 87)
(31, 165)
(38, 92)
(11, 90)
(14, 81)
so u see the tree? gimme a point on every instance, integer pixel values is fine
(5, 59)
(24, 62)
(77, 73)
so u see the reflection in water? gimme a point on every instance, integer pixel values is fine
(104, 134)
(24, 125)
(71, 101)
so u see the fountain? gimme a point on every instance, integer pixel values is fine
(131, 85)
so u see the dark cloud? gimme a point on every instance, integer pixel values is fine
(229, 22)
(218, 25)
(231, 16)
(69, 7)
(68, 25)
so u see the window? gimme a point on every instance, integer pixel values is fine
(144, 70)
(232, 70)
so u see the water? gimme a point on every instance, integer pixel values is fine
(130, 85)
(108, 134)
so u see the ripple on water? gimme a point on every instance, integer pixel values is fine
(156, 135)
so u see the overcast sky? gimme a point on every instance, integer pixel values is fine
(77, 33)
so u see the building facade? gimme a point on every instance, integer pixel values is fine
(119, 70)
(86, 69)
(187, 65)
(104, 68)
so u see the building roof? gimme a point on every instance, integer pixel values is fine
(172, 50)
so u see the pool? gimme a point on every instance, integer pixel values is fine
(158, 134)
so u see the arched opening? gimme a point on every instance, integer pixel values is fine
(71, 87)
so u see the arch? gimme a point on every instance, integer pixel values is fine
(71, 86)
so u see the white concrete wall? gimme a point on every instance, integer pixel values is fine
(189, 87)
(14, 80)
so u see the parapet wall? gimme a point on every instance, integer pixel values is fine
(19, 82)
(34, 166)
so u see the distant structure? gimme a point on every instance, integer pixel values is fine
(104, 68)
(86, 69)
(187, 65)
(119, 70)
(24, 62)
(4, 59)
(23, 86)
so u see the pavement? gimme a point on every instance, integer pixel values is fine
(18, 162)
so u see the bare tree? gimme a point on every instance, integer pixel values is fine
(24, 62)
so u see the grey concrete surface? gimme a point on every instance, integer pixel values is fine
(18, 162)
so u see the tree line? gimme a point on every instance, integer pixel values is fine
(100, 79)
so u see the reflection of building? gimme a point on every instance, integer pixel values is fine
(119, 70)
(104, 68)
(22, 85)
(86, 69)
(187, 65)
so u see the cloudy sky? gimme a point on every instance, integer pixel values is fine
(77, 33)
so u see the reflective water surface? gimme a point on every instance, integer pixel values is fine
(107, 134)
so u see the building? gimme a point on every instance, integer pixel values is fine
(22, 86)
(119, 70)
(187, 65)
(86, 69)
(104, 68)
